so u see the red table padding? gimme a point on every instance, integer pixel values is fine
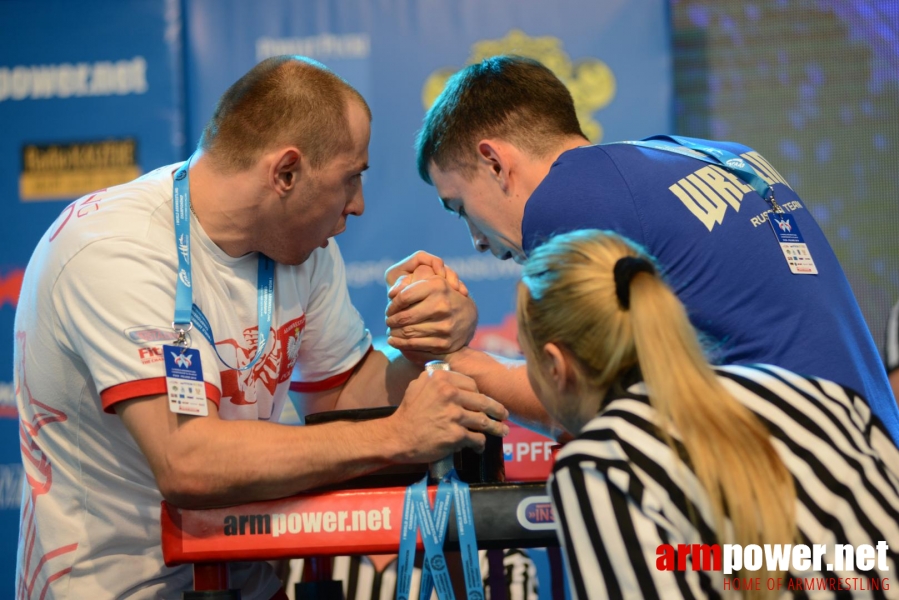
(324, 524)
(338, 523)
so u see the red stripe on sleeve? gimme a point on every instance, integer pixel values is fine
(335, 381)
(145, 387)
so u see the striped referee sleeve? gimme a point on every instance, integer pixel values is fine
(892, 345)
(610, 541)
(620, 491)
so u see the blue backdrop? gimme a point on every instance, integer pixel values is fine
(87, 99)
(94, 93)
(613, 55)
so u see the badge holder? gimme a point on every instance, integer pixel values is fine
(794, 248)
(184, 376)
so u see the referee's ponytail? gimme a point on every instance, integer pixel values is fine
(613, 319)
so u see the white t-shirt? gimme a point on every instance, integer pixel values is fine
(95, 309)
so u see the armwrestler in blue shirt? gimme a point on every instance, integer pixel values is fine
(504, 149)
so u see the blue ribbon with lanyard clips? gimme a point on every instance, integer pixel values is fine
(417, 514)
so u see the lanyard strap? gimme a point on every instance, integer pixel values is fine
(716, 156)
(188, 314)
(417, 514)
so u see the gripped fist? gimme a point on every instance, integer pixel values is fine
(442, 412)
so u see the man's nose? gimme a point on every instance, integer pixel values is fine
(478, 239)
(356, 205)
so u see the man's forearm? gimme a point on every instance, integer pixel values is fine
(201, 462)
(207, 461)
(380, 380)
(506, 381)
(290, 460)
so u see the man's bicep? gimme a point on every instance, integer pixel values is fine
(368, 385)
(163, 436)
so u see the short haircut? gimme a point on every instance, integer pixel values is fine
(282, 100)
(509, 97)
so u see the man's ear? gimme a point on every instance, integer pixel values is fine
(562, 368)
(494, 155)
(284, 171)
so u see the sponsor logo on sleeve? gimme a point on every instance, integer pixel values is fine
(150, 354)
(149, 334)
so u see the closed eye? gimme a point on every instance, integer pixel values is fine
(448, 207)
(360, 175)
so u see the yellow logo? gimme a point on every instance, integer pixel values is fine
(69, 170)
(590, 81)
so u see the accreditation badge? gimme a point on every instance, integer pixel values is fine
(184, 381)
(794, 248)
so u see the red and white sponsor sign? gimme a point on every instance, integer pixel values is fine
(325, 524)
(528, 456)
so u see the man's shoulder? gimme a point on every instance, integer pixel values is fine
(594, 164)
(624, 151)
(584, 189)
(590, 157)
(124, 219)
(731, 146)
(129, 210)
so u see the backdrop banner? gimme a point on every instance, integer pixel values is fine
(88, 99)
(614, 56)
(95, 93)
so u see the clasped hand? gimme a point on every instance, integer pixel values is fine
(430, 312)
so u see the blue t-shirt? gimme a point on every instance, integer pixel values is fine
(710, 235)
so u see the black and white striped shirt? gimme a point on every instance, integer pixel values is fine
(892, 346)
(362, 581)
(619, 491)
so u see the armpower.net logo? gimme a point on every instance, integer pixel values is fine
(796, 558)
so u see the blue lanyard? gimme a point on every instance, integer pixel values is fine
(417, 514)
(722, 158)
(188, 314)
